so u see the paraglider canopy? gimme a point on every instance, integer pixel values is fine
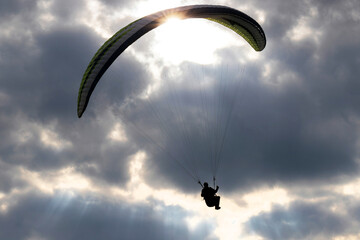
(231, 18)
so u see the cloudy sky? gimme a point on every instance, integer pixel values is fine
(289, 165)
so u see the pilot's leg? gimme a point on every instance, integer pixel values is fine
(217, 202)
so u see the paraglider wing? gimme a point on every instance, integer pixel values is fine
(231, 18)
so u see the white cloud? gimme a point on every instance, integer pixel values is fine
(304, 29)
(117, 133)
(52, 140)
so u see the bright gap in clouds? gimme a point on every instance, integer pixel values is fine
(194, 40)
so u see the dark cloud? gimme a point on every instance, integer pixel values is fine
(10, 178)
(67, 10)
(285, 137)
(274, 136)
(281, 17)
(354, 210)
(40, 84)
(15, 7)
(170, 125)
(115, 3)
(67, 216)
(298, 221)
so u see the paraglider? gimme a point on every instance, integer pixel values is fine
(210, 197)
(230, 18)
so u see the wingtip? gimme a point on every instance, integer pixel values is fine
(79, 114)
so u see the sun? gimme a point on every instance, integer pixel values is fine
(195, 40)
